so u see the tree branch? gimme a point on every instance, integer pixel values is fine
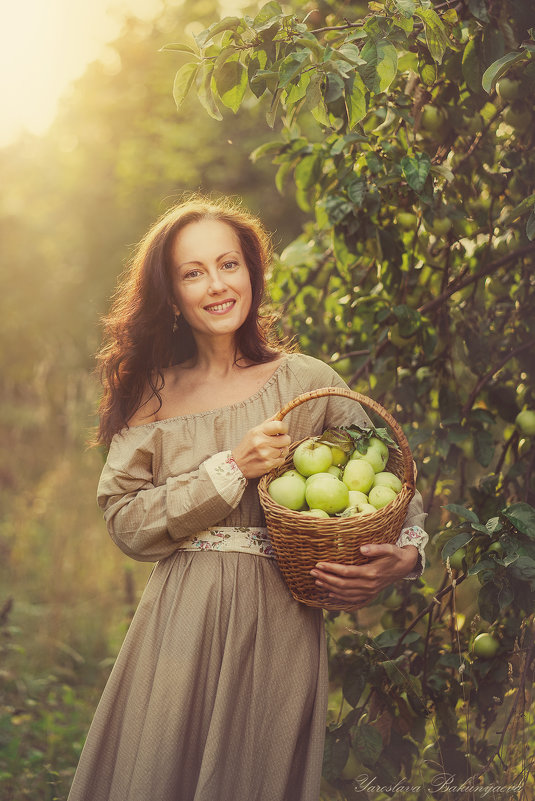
(457, 284)
(486, 378)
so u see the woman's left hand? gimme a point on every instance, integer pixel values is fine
(357, 585)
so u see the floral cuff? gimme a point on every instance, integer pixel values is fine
(226, 477)
(418, 537)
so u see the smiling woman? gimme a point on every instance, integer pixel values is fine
(220, 688)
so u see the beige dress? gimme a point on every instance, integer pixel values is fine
(219, 691)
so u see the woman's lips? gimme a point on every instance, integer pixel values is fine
(221, 307)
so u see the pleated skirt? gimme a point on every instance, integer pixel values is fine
(219, 692)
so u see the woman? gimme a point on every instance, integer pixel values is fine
(219, 692)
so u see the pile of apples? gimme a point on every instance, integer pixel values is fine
(328, 481)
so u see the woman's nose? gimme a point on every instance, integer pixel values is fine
(215, 282)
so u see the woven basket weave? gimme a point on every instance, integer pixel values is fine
(300, 541)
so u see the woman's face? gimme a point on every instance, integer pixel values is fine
(210, 280)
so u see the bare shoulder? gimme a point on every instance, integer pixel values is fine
(147, 410)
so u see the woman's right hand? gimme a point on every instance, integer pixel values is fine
(263, 447)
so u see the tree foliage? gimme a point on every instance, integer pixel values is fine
(406, 135)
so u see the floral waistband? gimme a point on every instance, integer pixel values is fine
(241, 539)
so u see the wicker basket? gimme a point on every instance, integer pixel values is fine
(300, 541)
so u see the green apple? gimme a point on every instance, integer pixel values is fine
(407, 220)
(293, 473)
(485, 646)
(387, 620)
(433, 119)
(457, 559)
(329, 494)
(288, 491)
(381, 496)
(398, 339)
(366, 509)
(508, 89)
(394, 600)
(386, 479)
(441, 225)
(311, 457)
(376, 454)
(339, 457)
(315, 513)
(356, 497)
(518, 116)
(358, 475)
(525, 422)
(335, 471)
(315, 476)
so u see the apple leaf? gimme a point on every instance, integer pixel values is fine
(338, 438)
(462, 512)
(368, 744)
(522, 516)
(416, 169)
(530, 226)
(454, 544)
(183, 81)
(499, 68)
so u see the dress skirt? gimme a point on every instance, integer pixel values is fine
(212, 627)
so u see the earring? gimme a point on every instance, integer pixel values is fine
(175, 323)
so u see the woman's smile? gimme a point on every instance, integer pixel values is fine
(211, 282)
(221, 307)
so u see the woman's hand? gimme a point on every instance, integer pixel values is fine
(357, 585)
(263, 447)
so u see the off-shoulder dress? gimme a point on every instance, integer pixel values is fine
(219, 691)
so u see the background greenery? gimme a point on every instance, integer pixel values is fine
(405, 236)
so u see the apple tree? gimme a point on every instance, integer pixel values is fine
(406, 132)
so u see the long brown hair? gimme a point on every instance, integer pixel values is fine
(139, 338)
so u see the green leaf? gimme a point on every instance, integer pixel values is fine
(367, 744)
(356, 191)
(355, 678)
(268, 148)
(390, 637)
(530, 226)
(462, 512)
(522, 208)
(499, 68)
(381, 65)
(407, 7)
(522, 516)
(335, 755)
(435, 33)
(179, 48)
(269, 14)
(356, 101)
(472, 65)
(292, 66)
(488, 601)
(456, 542)
(483, 447)
(226, 24)
(231, 82)
(205, 93)
(416, 169)
(183, 81)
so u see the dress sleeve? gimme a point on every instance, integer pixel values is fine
(146, 521)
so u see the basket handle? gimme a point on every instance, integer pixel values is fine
(370, 404)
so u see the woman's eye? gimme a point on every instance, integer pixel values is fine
(229, 265)
(192, 274)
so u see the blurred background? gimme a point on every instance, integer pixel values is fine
(92, 151)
